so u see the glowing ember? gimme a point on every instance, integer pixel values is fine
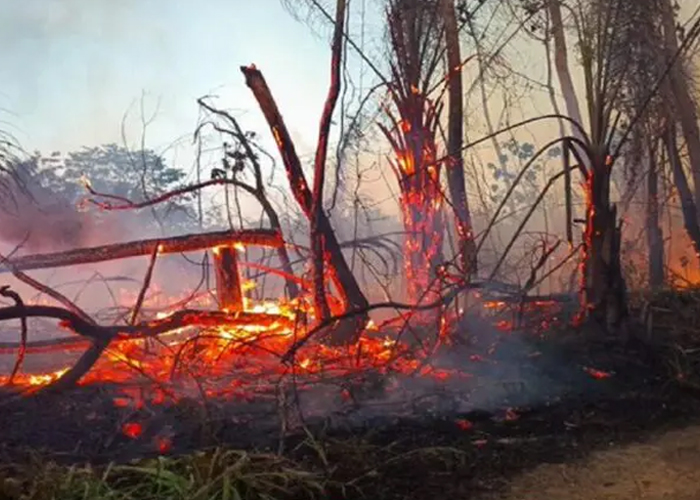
(597, 374)
(132, 430)
(464, 425)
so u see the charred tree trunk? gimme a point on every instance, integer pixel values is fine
(455, 135)
(685, 107)
(424, 227)
(318, 246)
(655, 241)
(352, 295)
(603, 290)
(228, 280)
(688, 207)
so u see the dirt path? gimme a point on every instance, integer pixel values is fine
(666, 467)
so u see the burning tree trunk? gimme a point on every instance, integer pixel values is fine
(228, 280)
(317, 236)
(455, 134)
(414, 27)
(603, 285)
(341, 274)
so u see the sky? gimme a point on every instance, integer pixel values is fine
(77, 66)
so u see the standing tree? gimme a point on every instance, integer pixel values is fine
(327, 251)
(415, 30)
(455, 137)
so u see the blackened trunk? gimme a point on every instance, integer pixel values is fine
(685, 106)
(455, 132)
(318, 246)
(604, 291)
(688, 207)
(654, 233)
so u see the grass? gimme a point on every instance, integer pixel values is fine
(213, 475)
(333, 469)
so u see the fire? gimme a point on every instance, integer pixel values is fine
(228, 361)
(132, 430)
(34, 380)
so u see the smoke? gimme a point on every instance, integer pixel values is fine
(38, 220)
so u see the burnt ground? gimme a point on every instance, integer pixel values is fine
(540, 400)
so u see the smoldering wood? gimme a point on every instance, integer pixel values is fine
(228, 280)
(116, 251)
(258, 191)
(340, 271)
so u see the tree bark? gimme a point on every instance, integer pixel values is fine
(561, 64)
(317, 237)
(655, 240)
(455, 137)
(347, 284)
(228, 280)
(604, 291)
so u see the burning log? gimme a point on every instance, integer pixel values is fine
(228, 281)
(177, 244)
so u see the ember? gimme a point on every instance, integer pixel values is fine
(132, 430)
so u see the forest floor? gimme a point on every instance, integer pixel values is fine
(590, 418)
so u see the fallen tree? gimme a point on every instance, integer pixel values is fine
(176, 244)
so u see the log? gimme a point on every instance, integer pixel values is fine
(228, 280)
(176, 244)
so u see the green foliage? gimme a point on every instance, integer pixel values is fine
(513, 156)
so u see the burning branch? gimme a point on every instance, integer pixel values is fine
(317, 237)
(349, 288)
(145, 286)
(101, 337)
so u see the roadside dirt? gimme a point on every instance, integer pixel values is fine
(665, 467)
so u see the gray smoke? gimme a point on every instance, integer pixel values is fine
(36, 218)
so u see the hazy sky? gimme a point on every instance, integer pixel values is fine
(73, 68)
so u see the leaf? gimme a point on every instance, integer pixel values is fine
(526, 150)
(554, 152)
